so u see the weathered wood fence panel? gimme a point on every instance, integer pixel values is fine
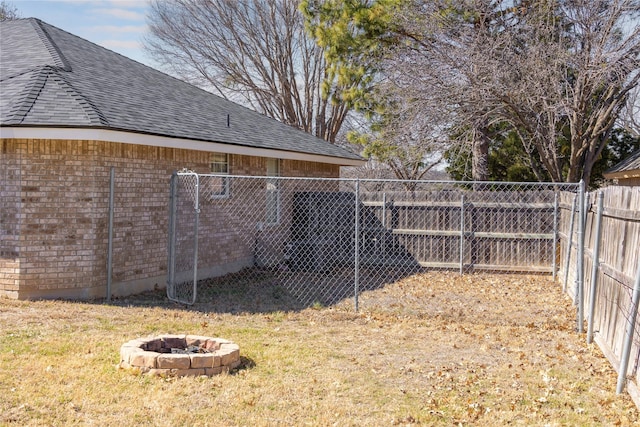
(615, 271)
(468, 230)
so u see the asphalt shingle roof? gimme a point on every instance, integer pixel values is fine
(631, 163)
(49, 77)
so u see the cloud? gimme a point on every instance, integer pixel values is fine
(74, 2)
(129, 3)
(120, 44)
(120, 13)
(119, 29)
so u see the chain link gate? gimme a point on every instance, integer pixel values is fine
(324, 240)
(182, 270)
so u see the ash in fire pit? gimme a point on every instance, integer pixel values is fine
(190, 349)
(179, 355)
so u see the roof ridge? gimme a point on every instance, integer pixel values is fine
(49, 44)
(31, 91)
(95, 115)
(21, 73)
(28, 96)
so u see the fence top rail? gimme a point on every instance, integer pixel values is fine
(568, 186)
(456, 204)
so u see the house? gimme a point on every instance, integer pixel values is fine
(70, 111)
(627, 172)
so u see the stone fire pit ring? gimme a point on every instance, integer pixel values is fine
(180, 355)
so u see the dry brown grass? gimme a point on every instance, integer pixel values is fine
(432, 349)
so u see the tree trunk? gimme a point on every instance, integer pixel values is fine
(480, 156)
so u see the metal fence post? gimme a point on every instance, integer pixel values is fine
(462, 213)
(569, 244)
(583, 225)
(357, 245)
(171, 250)
(554, 246)
(195, 238)
(580, 257)
(112, 179)
(383, 238)
(628, 340)
(594, 269)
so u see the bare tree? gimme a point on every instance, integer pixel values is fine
(407, 135)
(8, 11)
(441, 67)
(559, 72)
(406, 141)
(605, 63)
(256, 52)
(630, 117)
(571, 66)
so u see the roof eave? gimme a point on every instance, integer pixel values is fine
(136, 138)
(627, 174)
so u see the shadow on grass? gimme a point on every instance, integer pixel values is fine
(246, 363)
(231, 294)
(259, 290)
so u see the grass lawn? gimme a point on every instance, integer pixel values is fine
(431, 349)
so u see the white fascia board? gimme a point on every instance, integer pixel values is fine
(107, 135)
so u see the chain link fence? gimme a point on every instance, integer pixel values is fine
(319, 241)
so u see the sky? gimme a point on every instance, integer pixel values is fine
(118, 25)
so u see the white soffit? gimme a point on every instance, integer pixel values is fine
(84, 134)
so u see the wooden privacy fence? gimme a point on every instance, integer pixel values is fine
(611, 268)
(481, 230)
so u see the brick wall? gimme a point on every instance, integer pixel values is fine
(9, 219)
(229, 228)
(54, 214)
(308, 169)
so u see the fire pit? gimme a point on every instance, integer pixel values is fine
(180, 355)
